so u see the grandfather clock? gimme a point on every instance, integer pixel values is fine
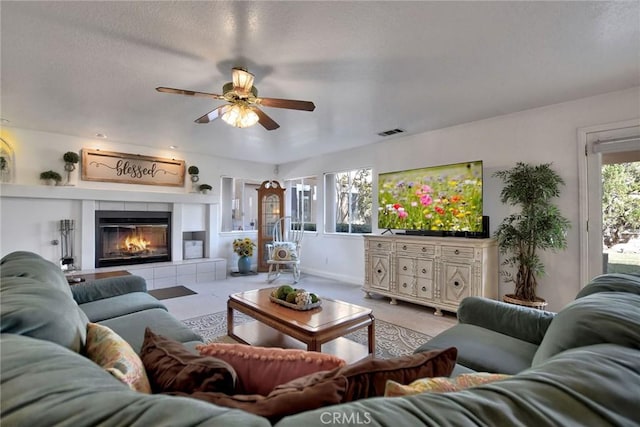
(270, 209)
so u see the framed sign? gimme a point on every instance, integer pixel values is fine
(125, 168)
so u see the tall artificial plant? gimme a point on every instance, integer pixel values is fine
(537, 227)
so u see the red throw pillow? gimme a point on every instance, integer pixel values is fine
(260, 369)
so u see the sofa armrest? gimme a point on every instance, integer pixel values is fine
(527, 324)
(106, 288)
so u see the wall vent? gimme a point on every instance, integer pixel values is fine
(390, 132)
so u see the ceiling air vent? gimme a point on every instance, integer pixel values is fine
(390, 132)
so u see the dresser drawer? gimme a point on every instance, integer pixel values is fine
(453, 252)
(415, 249)
(405, 266)
(379, 245)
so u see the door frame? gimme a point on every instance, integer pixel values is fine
(590, 195)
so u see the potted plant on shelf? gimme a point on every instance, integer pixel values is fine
(244, 249)
(70, 159)
(51, 177)
(537, 227)
(205, 188)
(194, 171)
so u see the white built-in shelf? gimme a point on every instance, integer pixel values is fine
(81, 193)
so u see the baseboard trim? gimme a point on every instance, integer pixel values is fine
(337, 277)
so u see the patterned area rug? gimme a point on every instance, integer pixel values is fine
(391, 340)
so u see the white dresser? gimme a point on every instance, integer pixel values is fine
(433, 271)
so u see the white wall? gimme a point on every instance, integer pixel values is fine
(547, 134)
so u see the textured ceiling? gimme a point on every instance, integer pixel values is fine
(81, 68)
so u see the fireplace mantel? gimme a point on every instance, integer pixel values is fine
(82, 193)
(184, 207)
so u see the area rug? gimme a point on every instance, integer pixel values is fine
(172, 292)
(391, 340)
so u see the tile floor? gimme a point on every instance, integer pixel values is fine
(212, 297)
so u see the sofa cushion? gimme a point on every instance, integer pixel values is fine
(29, 306)
(31, 265)
(612, 282)
(260, 369)
(523, 323)
(119, 306)
(131, 327)
(441, 384)
(291, 398)
(98, 289)
(44, 384)
(484, 350)
(116, 356)
(591, 386)
(171, 367)
(603, 317)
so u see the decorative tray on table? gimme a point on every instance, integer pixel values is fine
(296, 306)
(283, 291)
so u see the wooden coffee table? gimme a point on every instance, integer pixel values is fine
(320, 329)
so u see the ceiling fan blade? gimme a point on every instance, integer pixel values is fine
(267, 122)
(242, 79)
(212, 115)
(188, 92)
(286, 103)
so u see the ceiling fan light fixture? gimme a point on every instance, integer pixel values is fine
(240, 116)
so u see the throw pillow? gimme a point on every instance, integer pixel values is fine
(287, 399)
(171, 366)
(115, 355)
(285, 251)
(368, 377)
(441, 384)
(260, 369)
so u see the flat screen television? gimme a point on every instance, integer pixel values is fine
(437, 200)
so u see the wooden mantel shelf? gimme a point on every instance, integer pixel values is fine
(81, 193)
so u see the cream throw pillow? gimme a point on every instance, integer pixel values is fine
(441, 384)
(115, 355)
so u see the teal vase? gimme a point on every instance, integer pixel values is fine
(244, 265)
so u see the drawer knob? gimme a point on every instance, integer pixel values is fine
(424, 270)
(456, 251)
(404, 268)
(456, 283)
(404, 285)
(379, 271)
(379, 245)
(424, 289)
(404, 247)
(424, 249)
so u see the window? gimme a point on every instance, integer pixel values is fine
(303, 194)
(348, 201)
(239, 204)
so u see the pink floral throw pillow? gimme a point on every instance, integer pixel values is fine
(115, 355)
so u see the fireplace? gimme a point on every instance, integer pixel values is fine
(132, 237)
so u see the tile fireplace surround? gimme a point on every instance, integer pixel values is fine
(189, 213)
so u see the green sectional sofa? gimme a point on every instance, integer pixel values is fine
(46, 381)
(580, 366)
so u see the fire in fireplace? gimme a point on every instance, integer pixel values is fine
(132, 237)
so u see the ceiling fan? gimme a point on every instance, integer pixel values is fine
(242, 96)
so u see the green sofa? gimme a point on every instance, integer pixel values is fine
(45, 381)
(584, 369)
(577, 367)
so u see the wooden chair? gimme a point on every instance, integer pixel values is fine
(284, 250)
